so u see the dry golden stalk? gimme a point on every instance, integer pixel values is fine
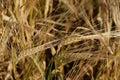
(62, 42)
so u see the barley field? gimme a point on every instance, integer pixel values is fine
(59, 40)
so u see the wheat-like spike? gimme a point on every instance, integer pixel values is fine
(76, 38)
(34, 50)
(62, 42)
(63, 59)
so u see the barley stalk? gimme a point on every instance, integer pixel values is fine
(65, 41)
